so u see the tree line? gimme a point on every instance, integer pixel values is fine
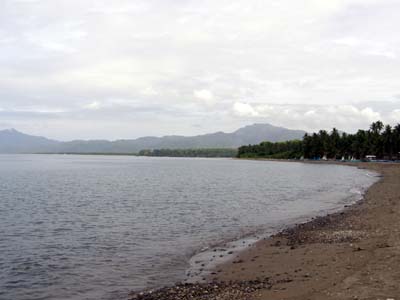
(203, 152)
(380, 140)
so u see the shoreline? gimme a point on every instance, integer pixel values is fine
(319, 259)
(210, 260)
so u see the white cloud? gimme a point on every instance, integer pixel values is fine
(348, 41)
(310, 113)
(150, 91)
(370, 115)
(384, 53)
(395, 116)
(205, 96)
(244, 110)
(93, 105)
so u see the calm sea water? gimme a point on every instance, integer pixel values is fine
(97, 227)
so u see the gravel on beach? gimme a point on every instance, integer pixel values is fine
(205, 291)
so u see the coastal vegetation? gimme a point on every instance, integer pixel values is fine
(204, 152)
(380, 140)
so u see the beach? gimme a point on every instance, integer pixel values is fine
(353, 254)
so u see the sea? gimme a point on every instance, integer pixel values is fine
(97, 227)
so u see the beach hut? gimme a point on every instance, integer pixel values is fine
(370, 157)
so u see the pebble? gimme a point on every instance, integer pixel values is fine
(205, 291)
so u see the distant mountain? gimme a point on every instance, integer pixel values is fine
(12, 141)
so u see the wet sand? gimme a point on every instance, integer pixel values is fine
(354, 254)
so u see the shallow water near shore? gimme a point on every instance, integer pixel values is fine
(96, 227)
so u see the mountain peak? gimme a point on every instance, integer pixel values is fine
(13, 141)
(257, 126)
(10, 131)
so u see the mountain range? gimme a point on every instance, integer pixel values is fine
(13, 141)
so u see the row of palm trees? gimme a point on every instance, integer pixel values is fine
(380, 140)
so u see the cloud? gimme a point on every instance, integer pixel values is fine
(384, 53)
(221, 64)
(313, 117)
(310, 113)
(205, 96)
(395, 116)
(244, 110)
(93, 105)
(149, 91)
(348, 41)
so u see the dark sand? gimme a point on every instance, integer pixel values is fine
(354, 254)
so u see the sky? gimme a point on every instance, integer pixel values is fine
(100, 69)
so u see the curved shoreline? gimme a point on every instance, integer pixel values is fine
(209, 261)
(326, 258)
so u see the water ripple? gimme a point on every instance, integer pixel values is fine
(93, 227)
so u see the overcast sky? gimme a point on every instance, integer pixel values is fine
(122, 69)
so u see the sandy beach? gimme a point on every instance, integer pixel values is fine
(353, 254)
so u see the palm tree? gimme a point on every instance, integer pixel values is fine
(334, 143)
(376, 139)
(376, 127)
(387, 137)
(396, 140)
